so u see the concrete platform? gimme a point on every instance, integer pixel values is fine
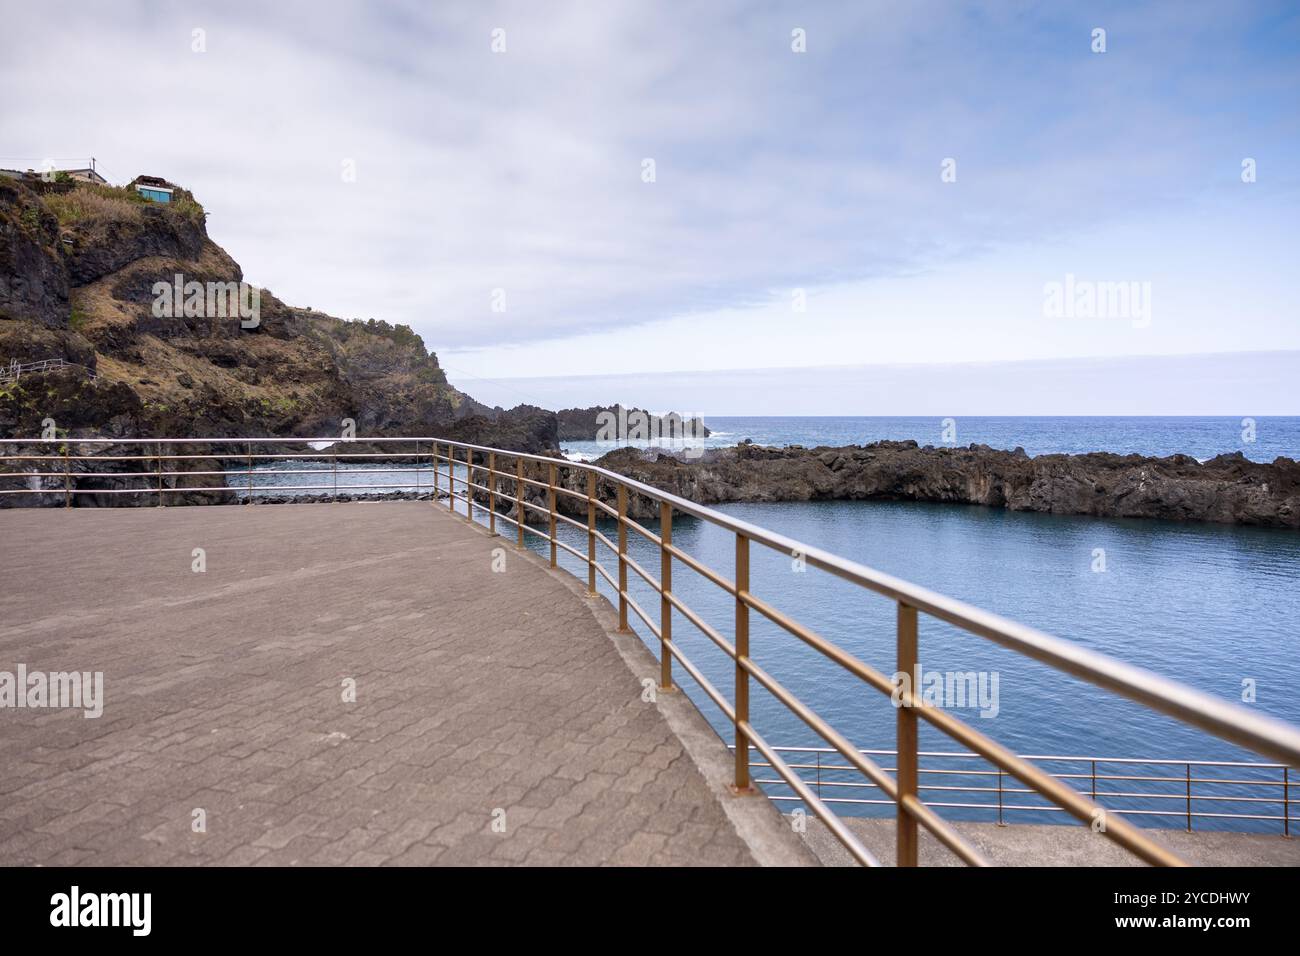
(482, 697)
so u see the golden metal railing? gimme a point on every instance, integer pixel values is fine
(1266, 736)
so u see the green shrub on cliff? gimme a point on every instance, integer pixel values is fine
(188, 206)
(116, 204)
(90, 201)
(402, 335)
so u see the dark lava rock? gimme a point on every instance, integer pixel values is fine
(1229, 489)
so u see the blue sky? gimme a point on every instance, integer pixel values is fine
(775, 172)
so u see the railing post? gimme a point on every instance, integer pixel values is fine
(417, 469)
(451, 478)
(519, 501)
(591, 533)
(665, 589)
(622, 557)
(334, 470)
(1001, 821)
(550, 505)
(492, 492)
(435, 472)
(160, 483)
(469, 476)
(1286, 801)
(1094, 781)
(907, 845)
(819, 773)
(740, 783)
(67, 479)
(1189, 798)
(249, 447)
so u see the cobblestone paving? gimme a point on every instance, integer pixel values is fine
(476, 692)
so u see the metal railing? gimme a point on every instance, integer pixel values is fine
(1186, 790)
(487, 485)
(16, 370)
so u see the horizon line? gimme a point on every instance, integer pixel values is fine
(1237, 353)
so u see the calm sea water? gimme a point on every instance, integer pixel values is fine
(1207, 605)
(1199, 437)
(1215, 607)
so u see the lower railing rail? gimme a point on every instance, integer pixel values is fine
(1186, 790)
(534, 488)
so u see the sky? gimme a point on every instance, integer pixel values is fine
(1225, 383)
(901, 194)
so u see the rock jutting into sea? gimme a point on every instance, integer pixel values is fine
(615, 422)
(1229, 489)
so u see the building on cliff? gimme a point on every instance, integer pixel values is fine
(84, 175)
(153, 188)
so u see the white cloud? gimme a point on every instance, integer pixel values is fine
(521, 171)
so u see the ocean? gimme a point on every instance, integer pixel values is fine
(1217, 607)
(1259, 438)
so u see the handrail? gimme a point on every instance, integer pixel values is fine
(1267, 736)
(1092, 770)
(15, 370)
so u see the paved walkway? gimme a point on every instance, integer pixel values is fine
(480, 697)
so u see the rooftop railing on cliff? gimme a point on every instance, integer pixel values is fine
(492, 477)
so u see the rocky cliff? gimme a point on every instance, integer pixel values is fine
(1228, 489)
(77, 273)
